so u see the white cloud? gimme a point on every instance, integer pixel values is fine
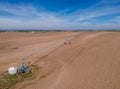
(28, 17)
(96, 11)
(20, 10)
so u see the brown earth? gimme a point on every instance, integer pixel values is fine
(14, 45)
(91, 61)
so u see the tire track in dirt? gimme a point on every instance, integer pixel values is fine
(87, 63)
(65, 67)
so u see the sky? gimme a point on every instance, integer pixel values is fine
(59, 14)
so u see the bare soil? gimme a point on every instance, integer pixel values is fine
(91, 61)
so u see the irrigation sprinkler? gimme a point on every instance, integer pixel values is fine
(49, 48)
(40, 53)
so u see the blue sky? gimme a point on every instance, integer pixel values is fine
(59, 14)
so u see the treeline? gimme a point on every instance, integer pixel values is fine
(32, 30)
(52, 30)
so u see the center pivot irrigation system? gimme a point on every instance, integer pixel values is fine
(40, 53)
